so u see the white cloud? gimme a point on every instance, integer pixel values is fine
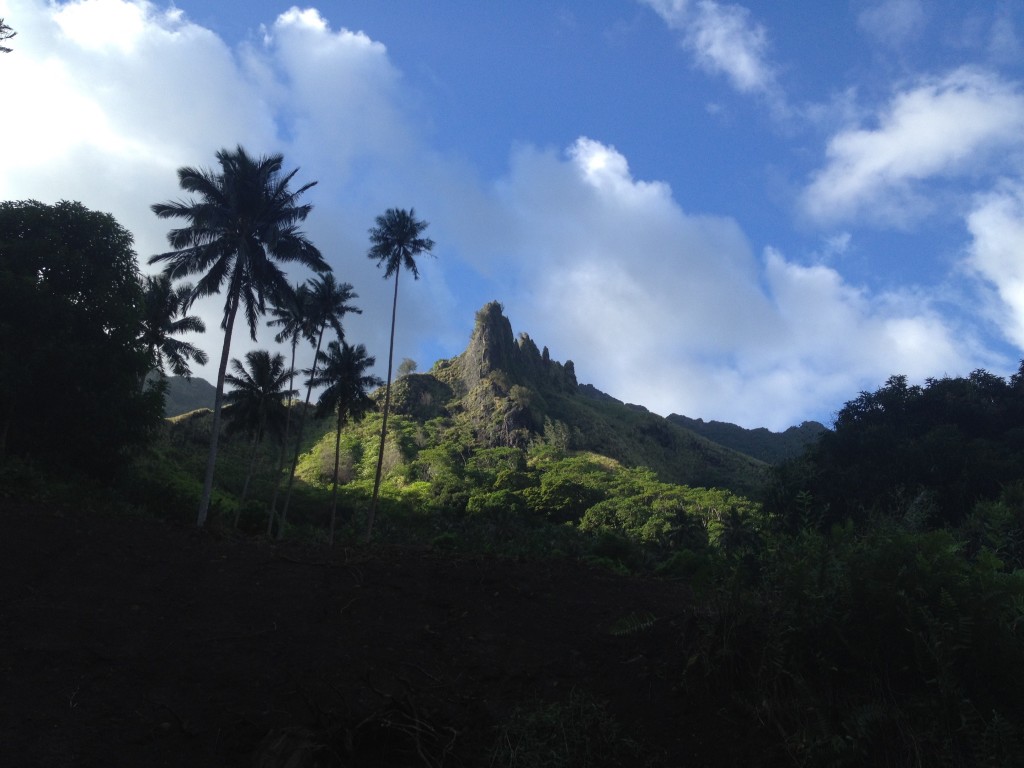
(941, 128)
(893, 22)
(111, 97)
(723, 39)
(997, 254)
(674, 311)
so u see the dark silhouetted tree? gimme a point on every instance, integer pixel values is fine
(6, 33)
(291, 315)
(243, 222)
(70, 352)
(257, 403)
(328, 303)
(164, 318)
(395, 242)
(343, 373)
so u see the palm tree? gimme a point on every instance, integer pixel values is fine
(256, 402)
(395, 242)
(6, 33)
(328, 304)
(164, 317)
(291, 315)
(343, 372)
(244, 222)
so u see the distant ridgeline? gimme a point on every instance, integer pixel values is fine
(509, 392)
(770, 447)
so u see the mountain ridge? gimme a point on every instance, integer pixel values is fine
(511, 390)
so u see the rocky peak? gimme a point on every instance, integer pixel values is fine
(494, 349)
(491, 347)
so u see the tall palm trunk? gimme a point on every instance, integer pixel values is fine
(218, 401)
(337, 456)
(384, 425)
(284, 444)
(252, 466)
(298, 436)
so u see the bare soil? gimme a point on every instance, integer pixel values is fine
(137, 642)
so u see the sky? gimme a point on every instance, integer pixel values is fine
(740, 212)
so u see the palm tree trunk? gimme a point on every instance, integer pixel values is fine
(337, 456)
(284, 444)
(252, 465)
(298, 435)
(387, 407)
(218, 401)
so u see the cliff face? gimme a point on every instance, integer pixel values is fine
(491, 348)
(494, 353)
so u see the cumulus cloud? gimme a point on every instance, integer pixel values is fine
(724, 39)
(940, 128)
(110, 98)
(997, 228)
(675, 310)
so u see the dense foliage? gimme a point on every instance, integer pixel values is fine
(930, 451)
(71, 359)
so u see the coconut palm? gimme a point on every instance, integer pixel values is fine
(243, 223)
(395, 242)
(6, 33)
(343, 373)
(164, 318)
(257, 403)
(328, 304)
(292, 315)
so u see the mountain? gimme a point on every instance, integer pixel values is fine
(184, 395)
(505, 391)
(770, 447)
(508, 392)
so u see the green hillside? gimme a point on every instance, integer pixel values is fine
(506, 392)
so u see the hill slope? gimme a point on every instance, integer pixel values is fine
(507, 392)
(184, 395)
(770, 447)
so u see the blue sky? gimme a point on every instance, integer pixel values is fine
(745, 212)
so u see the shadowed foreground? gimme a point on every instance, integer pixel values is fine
(136, 642)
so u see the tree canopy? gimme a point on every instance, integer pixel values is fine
(242, 224)
(71, 355)
(933, 450)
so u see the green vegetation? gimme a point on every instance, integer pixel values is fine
(858, 604)
(759, 443)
